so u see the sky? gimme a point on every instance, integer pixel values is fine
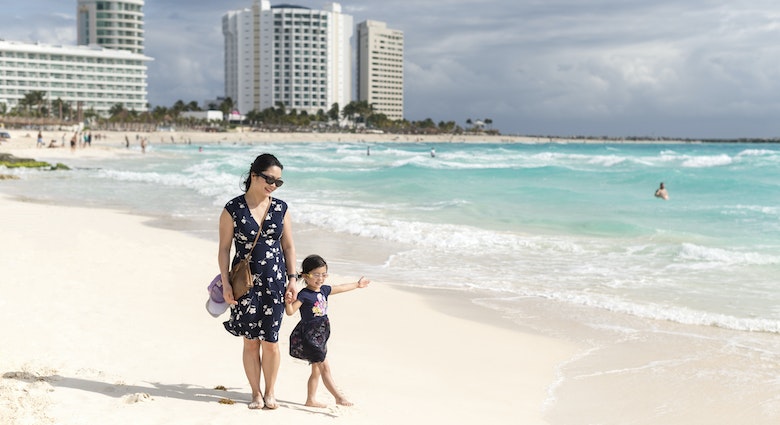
(617, 68)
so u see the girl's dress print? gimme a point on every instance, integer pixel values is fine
(309, 339)
(258, 314)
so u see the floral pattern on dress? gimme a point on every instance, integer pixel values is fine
(309, 339)
(258, 314)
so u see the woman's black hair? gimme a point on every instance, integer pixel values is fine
(261, 163)
(313, 262)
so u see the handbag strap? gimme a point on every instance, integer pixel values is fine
(259, 227)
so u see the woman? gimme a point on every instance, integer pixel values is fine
(257, 315)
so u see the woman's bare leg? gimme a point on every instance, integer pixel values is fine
(311, 387)
(271, 361)
(252, 368)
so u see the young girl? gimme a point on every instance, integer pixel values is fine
(308, 341)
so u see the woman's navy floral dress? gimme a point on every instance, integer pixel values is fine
(258, 314)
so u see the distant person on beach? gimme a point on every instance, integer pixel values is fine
(433, 153)
(73, 141)
(662, 193)
(143, 144)
(127, 142)
(308, 341)
(40, 141)
(257, 316)
(368, 150)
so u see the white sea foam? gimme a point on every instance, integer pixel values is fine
(667, 312)
(704, 257)
(701, 256)
(758, 152)
(707, 161)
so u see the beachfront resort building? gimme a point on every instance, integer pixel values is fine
(106, 68)
(86, 77)
(380, 64)
(295, 55)
(112, 24)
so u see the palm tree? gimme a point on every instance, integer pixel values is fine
(359, 108)
(281, 108)
(35, 99)
(62, 108)
(226, 106)
(447, 127)
(333, 112)
(159, 113)
(117, 112)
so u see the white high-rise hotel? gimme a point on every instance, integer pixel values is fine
(298, 56)
(108, 69)
(112, 24)
(289, 54)
(380, 63)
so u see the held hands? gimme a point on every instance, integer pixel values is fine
(291, 294)
(288, 297)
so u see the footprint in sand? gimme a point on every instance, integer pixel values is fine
(137, 398)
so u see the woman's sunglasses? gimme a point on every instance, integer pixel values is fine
(271, 180)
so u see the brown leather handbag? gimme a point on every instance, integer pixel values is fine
(241, 275)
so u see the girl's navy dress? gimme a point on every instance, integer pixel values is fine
(309, 339)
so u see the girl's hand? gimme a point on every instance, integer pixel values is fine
(288, 297)
(363, 282)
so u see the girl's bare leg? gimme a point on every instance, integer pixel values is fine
(311, 387)
(252, 368)
(271, 360)
(327, 379)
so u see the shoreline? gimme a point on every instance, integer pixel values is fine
(561, 362)
(24, 139)
(675, 374)
(131, 358)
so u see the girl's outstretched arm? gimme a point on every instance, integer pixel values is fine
(344, 287)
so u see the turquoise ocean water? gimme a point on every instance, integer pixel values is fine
(674, 302)
(572, 223)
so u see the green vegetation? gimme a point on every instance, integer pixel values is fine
(356, 116)
(10, 161)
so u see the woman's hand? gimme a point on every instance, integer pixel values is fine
(292, 290)
(227, 293)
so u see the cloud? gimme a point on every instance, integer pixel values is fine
(700, 68)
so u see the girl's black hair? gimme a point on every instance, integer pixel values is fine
(313, 262)
(261, 163)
